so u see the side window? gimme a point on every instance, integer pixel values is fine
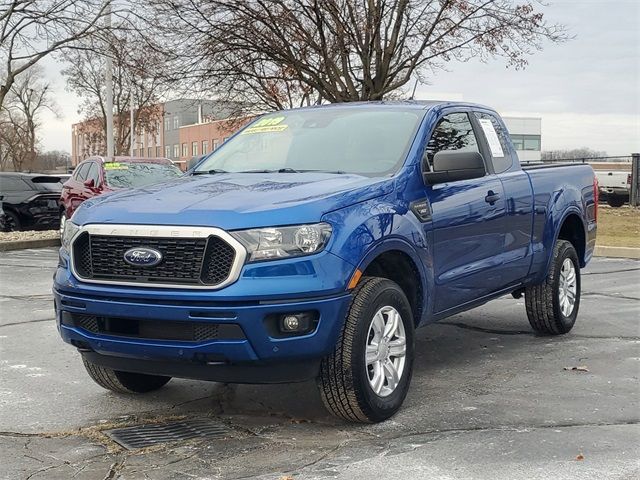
(453, 132)
(94, 173)
(12, 184)
(81, 172)
(500, 164)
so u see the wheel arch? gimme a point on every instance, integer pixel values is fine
(397, 261)
(572, 229)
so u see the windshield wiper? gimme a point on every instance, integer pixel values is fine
(209, 172)
(280, 170)
(338, 172)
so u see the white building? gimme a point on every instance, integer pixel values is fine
(526, 134)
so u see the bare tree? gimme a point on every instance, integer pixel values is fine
(576, 153)
(53, 160)
(278, 52)
(137, 77)
(20, 118)
(11, 145)
(30, 30)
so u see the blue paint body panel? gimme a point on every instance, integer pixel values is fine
(466, 253)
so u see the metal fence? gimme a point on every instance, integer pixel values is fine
(628, 162)
(616, 159)
(634, 196)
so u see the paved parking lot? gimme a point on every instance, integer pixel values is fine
(488, 400)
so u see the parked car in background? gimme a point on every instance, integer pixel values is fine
(3, 217)
(615, 186)
(193, 161)
(98, 175)
(64, 176)
(31, 201)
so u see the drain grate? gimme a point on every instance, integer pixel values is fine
(142, 436)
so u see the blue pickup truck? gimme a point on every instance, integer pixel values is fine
(313, 243)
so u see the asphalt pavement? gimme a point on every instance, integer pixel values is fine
(489, 400)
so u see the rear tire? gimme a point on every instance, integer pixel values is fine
(374, 352)
(552, 306)
(124, 382)
(615, 201)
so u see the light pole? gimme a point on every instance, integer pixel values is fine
(132, 130)
(108, 80)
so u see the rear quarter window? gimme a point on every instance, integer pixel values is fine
(500, 164)
(46, 182)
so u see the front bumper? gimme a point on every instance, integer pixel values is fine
(314, 284)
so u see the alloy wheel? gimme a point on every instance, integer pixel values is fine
(386, 351)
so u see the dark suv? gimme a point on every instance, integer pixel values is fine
(30, 201)
(3, 217)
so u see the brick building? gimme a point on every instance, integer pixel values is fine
(205, 137)
(165, 140)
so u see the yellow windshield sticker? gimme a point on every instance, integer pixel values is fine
(264, 129)
(115, 166)
(269, 121)
(266, 125)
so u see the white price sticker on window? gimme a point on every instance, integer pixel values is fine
(492, 137)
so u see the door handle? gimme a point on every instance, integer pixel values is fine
(491, 197)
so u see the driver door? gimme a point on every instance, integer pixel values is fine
(468, 221)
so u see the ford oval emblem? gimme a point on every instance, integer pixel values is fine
(142, 257)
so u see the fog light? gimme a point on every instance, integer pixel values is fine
(291, 323)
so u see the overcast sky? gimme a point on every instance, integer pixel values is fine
(587, 90)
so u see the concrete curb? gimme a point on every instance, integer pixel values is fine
(23, 244)
(617, 252)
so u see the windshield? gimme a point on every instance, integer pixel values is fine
(138, 174)
(364, 141)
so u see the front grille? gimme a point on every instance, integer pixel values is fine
(188, 261)
(218, 260)
(154, 329)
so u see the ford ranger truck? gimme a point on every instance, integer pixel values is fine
(313, 243)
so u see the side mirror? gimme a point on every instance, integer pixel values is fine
(452, 165)
(89, 183)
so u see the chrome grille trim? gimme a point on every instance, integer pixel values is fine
(162, 231)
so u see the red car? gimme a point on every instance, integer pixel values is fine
(98, 175)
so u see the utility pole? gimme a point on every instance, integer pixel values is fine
(109, 84)
(634, 197)
(413, 94)
(132, 132)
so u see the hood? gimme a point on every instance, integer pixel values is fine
(234, 200)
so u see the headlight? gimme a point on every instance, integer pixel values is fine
(70, 230)
(283, 242)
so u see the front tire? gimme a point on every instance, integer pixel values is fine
(552, 306)
(124, 382)
(366, 378)
(12, 222)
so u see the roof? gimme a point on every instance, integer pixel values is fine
(30, 174)
(126, 159)
(408, 104)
